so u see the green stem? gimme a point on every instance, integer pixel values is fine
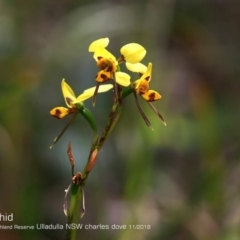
(77, 194)
(89, 117)
(114, 116)
(77, 197)
(76, 202)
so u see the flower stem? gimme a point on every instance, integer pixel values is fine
(77, 194)
(76, 202)
(89, 117)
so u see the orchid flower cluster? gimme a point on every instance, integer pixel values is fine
(109, 77)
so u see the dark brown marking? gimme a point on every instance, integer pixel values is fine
(151, 97)
(109, 69)
(104, 77)
(57, 113)
(141, 90)
(69, 100)
(147, 78)
(102, 63)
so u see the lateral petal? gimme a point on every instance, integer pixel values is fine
(148, 74)
(102, 88)
(122, 79)
(68, 93)
(136, 67)
(83, 97)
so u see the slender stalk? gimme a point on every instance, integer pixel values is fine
(77, 194)
(76, 202)
(89, 117)
(112, 120)
(114, 116)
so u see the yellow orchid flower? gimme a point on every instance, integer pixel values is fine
(74, 104)
(72, 101)
(108, 64)
(141, 87)
(131, 53)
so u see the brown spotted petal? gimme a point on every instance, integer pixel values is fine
(151, 96)
(103, 76)
(107, 65)
(59, 112)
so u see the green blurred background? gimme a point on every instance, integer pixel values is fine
(184, 179)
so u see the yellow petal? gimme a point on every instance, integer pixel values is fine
(83, 97)
(136, 67)
(148, 74)
(151, 96)
(102, 43)
(133, 52)
(122, 79)
(59, 112)
(102, 88)
(68, 93)
(105, 88)
(104, 53)
(90, 91)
